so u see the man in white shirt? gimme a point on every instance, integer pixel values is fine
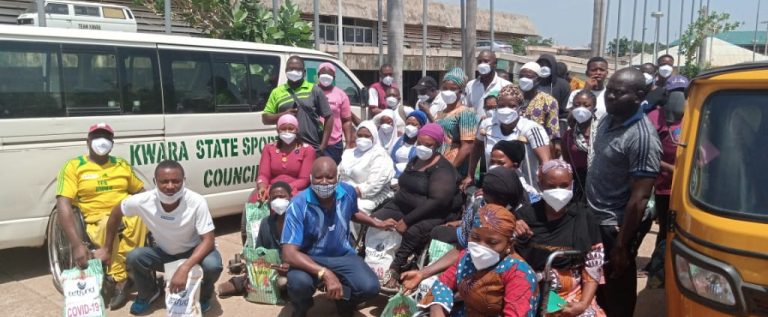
(182, 227)
(597, 73)
(488, 81)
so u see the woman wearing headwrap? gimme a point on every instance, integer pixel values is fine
(458, 121)
(428, 196)
(491, 278)
(403, 150)
(386, 123)
(368, 168)
(509, 125)
(289, 160)
(555, 226)
(342, 113)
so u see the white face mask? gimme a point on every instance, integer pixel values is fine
(411, 131)
(493, 166)
(423, 98)
(386, 128)
(648, 78)
(581, 114)
(557, 198)
(665, 71)
(449, 96)
(424, 153)
(545, 72)
(363, 144)
(325, 80)
(489, 113)
(101, 146)
(388, 80)
(506, 115)
(294, 75)
(484, 68)
(392, 102)
(526, 84)
(168, 200)
(279, 205)
(288, 137)
(482, 257)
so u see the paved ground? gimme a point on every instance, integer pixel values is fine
(27, 290)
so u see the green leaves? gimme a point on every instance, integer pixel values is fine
(697, 32)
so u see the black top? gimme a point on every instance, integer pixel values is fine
(433, 193)
(267, 234)
(656, 97)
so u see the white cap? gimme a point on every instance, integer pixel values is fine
(532, 66)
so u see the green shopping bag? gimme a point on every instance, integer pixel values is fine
(254, 213)
(262, 278)
(555, 303)
(82, 290)
(400, 306)
(437, 249)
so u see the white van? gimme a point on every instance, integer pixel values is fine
(156, 92)
(82, 15)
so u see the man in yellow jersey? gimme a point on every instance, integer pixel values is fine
(96, 183)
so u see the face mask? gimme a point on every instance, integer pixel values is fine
(165, 199)
(424, 153)
(364, 144)
(411, 131)
(482, 257)
(484, 68)
(288, 137)
(279, 205)
(493, 166)
(545, 72)
(392, 102)
(101, 146)
(326, 80)
(387, 80)
(581, 114)
(489, 113)
(449, 96)
(294, 75)
(665, 71)
(423, 98)
(506, 115)
(557, 198)
(648, 78)
(324, 191)
(386, 128)
(526, 84)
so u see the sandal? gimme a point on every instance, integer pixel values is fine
(235, 286)
(391, 282)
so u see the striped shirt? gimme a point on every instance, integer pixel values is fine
(622, 153)
(313, 106)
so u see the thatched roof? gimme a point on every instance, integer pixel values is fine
(440, 14)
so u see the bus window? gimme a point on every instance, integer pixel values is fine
(187, 81)
(29, 80)
(140, 78)
(264, 72)
(342, 80)
(113, 13)
(90, 81)
(57, 8)
(90, 11)
(230, 83)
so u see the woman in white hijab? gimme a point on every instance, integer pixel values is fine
(387, 124)
(368, 168)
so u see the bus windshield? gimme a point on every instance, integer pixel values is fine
(729, 172)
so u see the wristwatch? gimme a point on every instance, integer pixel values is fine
(320, 274)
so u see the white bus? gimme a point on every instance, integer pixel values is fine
(159, 94)
(82, 15)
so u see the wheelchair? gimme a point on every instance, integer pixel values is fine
(60, 257)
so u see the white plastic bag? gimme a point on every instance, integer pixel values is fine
(380, 247)
(187, 302)
(424, 288)
(82, 291)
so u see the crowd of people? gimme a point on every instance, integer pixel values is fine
(506, 172)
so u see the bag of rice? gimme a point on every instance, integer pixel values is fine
(187, 302)
(254, 213)
(82, 291)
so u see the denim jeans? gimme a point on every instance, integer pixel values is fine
(357, 279)
(142, 261)
(334, 151)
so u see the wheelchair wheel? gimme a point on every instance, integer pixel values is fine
(60, 256)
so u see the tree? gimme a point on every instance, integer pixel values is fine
(243, 20)
(625, 44)
(539, 41)
(696, 34)
(519, 45)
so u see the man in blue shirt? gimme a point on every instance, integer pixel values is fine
(315, 243)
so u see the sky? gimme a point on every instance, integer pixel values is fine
(569, 22)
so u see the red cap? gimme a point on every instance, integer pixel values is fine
(101, 126)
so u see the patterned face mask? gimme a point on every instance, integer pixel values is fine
(324, 190)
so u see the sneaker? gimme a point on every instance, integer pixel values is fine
(141, 305)
(205, 306)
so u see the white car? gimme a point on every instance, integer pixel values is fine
(497, 46)
(82, 15)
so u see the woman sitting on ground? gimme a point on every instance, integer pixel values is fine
(288, 160)
(555, 226)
